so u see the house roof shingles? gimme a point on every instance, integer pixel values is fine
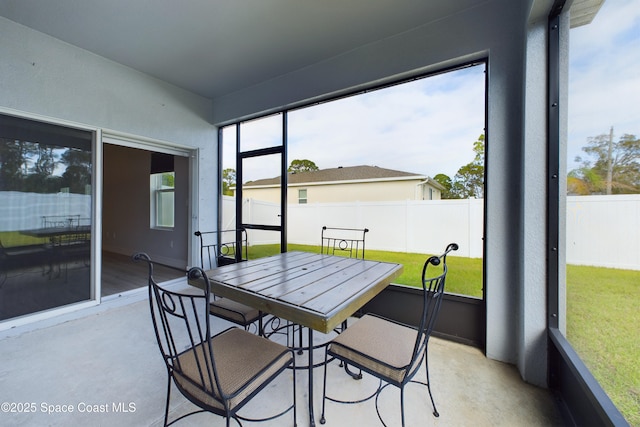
(351, 173)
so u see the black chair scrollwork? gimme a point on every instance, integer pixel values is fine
(218, 248)
(219, 373)
(391, 351)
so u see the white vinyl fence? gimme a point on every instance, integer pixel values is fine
(24, 211)
(602, 231)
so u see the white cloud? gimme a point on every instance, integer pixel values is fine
(604, 82)
(426, 126)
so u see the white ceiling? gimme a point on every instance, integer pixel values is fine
(216, 47)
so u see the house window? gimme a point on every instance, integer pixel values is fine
(162, 186)
(302, 197)
(163, 200)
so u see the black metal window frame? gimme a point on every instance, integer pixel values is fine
(283, 148)
(393, 302)
(241, 155)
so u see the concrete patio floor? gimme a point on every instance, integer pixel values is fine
(103, 364)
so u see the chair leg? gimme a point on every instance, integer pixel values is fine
(342, 364)
(300, 338)
(426, 366)
(295, 412)
(324, 389)
(166, 406)
(402, 405)
(352, 374)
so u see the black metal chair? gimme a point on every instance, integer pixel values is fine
(222, 247)
(391, 351)
(343, 241)
(226, 247)
(220, 373)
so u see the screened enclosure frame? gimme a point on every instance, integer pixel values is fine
(583, 399)
(468, 310)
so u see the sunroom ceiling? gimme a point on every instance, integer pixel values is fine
(216, 47)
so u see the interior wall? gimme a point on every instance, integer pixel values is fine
(497, 29)
(126, 207)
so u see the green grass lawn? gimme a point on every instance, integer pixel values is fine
(603, 325)
(603, 315)
(464, 277)
(15, 238)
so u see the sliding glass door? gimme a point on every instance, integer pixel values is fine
(45, 216)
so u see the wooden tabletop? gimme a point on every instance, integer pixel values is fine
(313, 290)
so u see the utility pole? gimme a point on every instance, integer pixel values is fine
(610, 162)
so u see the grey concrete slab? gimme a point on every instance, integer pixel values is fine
(101, 366)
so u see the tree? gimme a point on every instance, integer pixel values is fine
(446, 182)
(302, 166)
(12, 155)
(613, 167)
(584, 181)
(228, 180)
(469, 180)
(77, 175)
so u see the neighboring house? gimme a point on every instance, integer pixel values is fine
(346, 184)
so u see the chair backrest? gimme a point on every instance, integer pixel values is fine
(61, 221)
(222, 247)
(182, 328)
(433, 292)
(343, 241)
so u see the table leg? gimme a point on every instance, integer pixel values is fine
(312, 420)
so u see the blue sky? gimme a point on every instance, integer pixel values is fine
(604, 76)
(428, 126)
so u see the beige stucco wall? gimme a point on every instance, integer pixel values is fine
(345, 192)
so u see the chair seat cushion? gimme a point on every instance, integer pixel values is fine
(234, 311)
(244, 362)
(378, 345)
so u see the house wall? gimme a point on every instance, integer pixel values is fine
(43, 77)
(498, 30)
(344, 192)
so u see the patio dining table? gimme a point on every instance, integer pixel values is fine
(54, 233)
(312, 290)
